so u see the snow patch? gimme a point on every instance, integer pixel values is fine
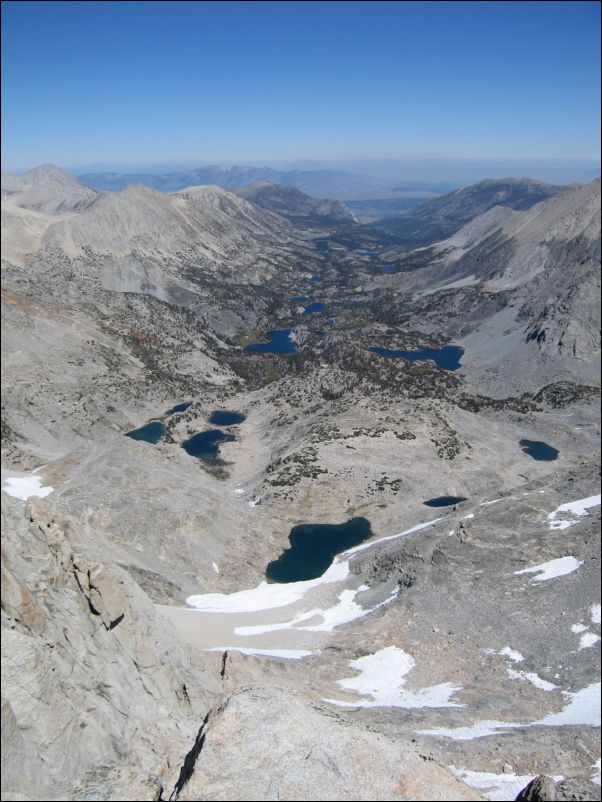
(369, 545)
(497, 787)
(576, 508)
(382, 677)
(480, 729)
(345, 611)
(215, 567)
(284, 654)
(266, 596)
(24, 487)
(515, 656)
(595, 778)
(583, 709)
(577, 628)
(552, 569)
(595, 610)
(588, 639)
(533, 678)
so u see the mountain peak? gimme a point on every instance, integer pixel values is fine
(47, 188)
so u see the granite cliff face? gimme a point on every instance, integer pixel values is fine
(454, 653)
(96, 688)
(295, 749)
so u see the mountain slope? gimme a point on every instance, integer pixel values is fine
(204, 221)
(139, 239)
(125, 298)
(46, 189)
(441, 217)
(294, 204)
(519, 290)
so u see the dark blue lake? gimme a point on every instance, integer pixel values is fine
(444, 501)
(367, 253)
(299, 299)
(387, 268)
(178, 408)
(539, 450)
(280, 343)
(313, 308)
(149, 433)
(205, 445)
(446, 358)
(222, 417)
(314, 547)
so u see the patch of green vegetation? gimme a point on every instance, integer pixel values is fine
(560, 394)
(217, 471)
(298, 466)
(7, 432)
(252, 336)
(271, 372)
(478, 403)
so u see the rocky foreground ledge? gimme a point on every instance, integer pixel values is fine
(105, 699)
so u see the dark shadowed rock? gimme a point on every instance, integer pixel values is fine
(541, 788)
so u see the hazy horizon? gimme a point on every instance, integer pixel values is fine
(411, 86)
(439, 175)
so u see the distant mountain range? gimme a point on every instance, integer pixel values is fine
(441, 217)
(316, 183)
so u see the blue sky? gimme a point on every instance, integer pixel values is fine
(201, 82)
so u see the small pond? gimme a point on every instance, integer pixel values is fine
(314, 547)
(539, 450)
(446, 358)
(179, 408)
(444, 501)
(149, 433)
(298, 299)
(311, 309)
(223, 417)
(205, 445)
(280, 343)
(386, 268)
